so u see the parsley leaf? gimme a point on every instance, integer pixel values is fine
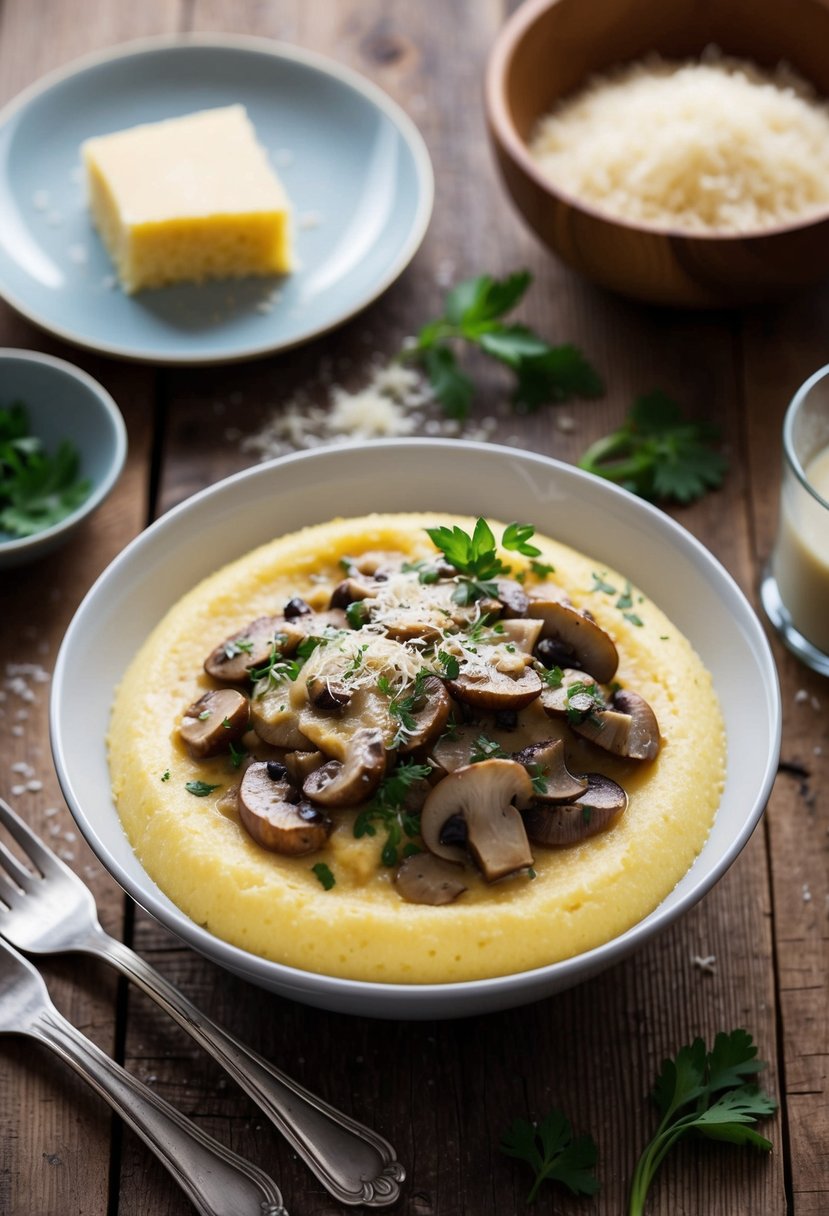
(387, 810)
(476, 558)
(473, 312)
(324, 875)
(708, 1092)
(552, 1154)
(36, 490)
(486, 749)
(658, 453)
(200, 789)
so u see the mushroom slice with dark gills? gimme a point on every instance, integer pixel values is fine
(429, 715)
(426, 879)
(628, 728)
(212, 723)
(482, 796)
(552, 780)
(597, 809)
(576, 634)
(486, 688)
(276, 816)
(353, 780)
(513, 598)
(576, 697)
(232, 661)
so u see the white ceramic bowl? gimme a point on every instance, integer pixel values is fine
(62, 402)
(223, 522)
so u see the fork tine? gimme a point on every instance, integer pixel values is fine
(9, 895)
(23, 877)
(43, 858)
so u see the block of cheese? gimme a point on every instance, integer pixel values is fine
(188, 199)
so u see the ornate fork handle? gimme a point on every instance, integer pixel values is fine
(215, 1180)
(355, 1164)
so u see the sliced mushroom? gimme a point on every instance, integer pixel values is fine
(218, 718)
(590, 647)
(629, 728)
(233, 658)
(330, 696)
(576, 697)
(482, 795)
(426, 879)
(350, 590)
(521, 632)
(296, 607)
(274, 719)
(567, 823)
(513, 597)
(489, 689)
(430, 717)
(272, 811)
(301, 764)
(546, 761)
(376, 562)
(352, 781)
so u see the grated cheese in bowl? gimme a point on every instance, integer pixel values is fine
(715, 145)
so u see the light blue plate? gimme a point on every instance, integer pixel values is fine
(353, 164)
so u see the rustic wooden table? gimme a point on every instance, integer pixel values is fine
(441, 1092)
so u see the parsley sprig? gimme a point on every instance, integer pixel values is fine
(36, 490)
(552, 1153)
(658, 453)
(708, 1092)
(473, 313)
(387, 810)
(476, 557)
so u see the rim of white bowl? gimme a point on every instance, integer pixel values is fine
(116, 461)
(326, 988)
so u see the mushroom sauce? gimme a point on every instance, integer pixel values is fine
(347, 754)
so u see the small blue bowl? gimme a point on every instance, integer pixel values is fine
(62, 402)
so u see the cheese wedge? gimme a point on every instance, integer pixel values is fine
(188, 199)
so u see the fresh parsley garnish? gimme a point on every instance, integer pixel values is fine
(540, 783)
(451, 666)
(165, 776)
(486, 749)
(541, 569)
(552, 1153)
(37, 490)
(237, 754)
(200, 789)
(476, 557)
(404, 707)
(324, 874)
(237, 646)
(473, 313)
(658, 453)
(553, 677)
(601, 584)
(386, 810)
(711, 1093)
(276, 668)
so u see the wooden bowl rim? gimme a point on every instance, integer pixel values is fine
(505, 134)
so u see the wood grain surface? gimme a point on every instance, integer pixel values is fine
(443, 1093)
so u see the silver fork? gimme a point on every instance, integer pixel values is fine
(214, 1179)
(51, 911)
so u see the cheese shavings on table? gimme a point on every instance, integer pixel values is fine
(188, 199)
(717, 145)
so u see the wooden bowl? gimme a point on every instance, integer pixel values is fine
(549, 48)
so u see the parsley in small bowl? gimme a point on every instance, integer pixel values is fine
(62, 448)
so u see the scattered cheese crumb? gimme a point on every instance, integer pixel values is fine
(24, 769)
(807, 894)
(800, 696)
(706, 963)
(396, 401)
(34, 787)
(17, 790)
(565, 423)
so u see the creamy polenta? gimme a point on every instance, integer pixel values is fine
(338, 909)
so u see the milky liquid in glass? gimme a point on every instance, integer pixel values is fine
(800, 563)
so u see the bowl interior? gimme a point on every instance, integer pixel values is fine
(555, 47)
(64, 403)
(249, 509)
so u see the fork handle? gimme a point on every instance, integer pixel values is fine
(215, 1180)
(354, 1163)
